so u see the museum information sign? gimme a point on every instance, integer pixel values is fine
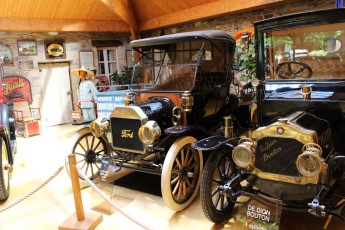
(257, 216)
(106, 102)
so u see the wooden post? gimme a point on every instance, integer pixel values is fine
(76, 187)
(79, 220)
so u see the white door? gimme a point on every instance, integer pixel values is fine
(56, 106)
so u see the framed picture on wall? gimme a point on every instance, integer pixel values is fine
(55, 49)
(86, 59)
(6, 54)
(27, 47)
(26, 64)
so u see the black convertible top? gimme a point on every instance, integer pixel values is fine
(318, 17)
(211, 35)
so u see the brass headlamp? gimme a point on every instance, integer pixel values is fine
(149, 132)
(128, 98)
(244, 153)
(99, 127)
(310, 163)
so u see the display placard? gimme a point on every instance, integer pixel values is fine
(255, 215)
(86, 59)
(106, 102)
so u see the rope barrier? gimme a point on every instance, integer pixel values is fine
(33, 191)
(52, 176)
(42, 184)
(110, 201)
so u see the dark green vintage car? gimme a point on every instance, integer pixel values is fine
(295, 150)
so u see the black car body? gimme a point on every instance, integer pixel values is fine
(296, 154)
(179, 94)
(7, 141)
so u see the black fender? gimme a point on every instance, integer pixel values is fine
(173, 133)
(215, 142)
(189, 130)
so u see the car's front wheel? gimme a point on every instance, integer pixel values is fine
(5, 171)
(181, 174)
(89, 151)
(219, 169)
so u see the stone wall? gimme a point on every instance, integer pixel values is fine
(233, 22)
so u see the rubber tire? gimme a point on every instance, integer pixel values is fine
(4, 177)
(167, 173)
(4, 115)
(8, 119)
(78, 139)
(208, 185)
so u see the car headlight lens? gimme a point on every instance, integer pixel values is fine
(243, 155)
(309, 163)
(149, 132)
(99, 127)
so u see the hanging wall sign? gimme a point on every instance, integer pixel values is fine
(55, 50)
(17, 88)
(86, 59)
(6, 54)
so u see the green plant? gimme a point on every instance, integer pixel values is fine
(124, 78)
(247, 59)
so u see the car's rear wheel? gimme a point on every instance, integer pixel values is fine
(181, 174)
(219, 169)
(89, 151)
(5, 171)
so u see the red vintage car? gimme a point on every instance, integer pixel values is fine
(7, 140)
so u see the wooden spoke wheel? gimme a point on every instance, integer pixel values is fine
(181, 174)
(219, 169)
(5, 171)
(89, 151)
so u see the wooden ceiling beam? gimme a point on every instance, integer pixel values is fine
(209, 10)
(61, 25)
(125, 11)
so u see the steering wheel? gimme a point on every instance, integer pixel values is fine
(293, 69)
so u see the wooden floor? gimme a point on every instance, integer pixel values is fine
(138, 194)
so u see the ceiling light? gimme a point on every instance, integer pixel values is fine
(53, 33)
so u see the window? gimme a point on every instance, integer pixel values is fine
(108, 61)
(313, 52)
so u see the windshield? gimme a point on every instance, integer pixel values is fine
(166, 78)
(174, 67)
(315, 52)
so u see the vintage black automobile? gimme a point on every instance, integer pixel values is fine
(7, 140)
(179, 94)
(296, 154)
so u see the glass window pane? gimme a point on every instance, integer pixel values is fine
(100, 55)
(111, 55)
(112, 67)
(101, 68)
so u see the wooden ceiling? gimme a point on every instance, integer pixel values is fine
(115, 16)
